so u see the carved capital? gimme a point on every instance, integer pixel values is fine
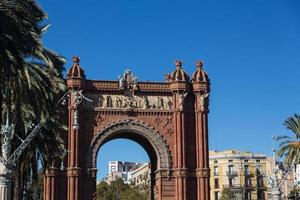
(73, 172)
(92, 172)
(51, 172)
(201, 86)
(181, 173)
(203, 173)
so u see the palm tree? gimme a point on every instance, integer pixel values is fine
(31, 82)
(289, 146)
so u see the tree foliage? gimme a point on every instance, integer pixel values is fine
(118, 190)
(227, 194)
(31, 82)
(289, 146)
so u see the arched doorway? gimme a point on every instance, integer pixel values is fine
(143, 134)
(169, 119)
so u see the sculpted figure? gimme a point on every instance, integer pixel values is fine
(168, 103)
(119, 102)
(121, 82)
(146, 102)
(101, 101)
(181, 100)
(128, 81)
(108, 102)
(203, 101)
(160, 103)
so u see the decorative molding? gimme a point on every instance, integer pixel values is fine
(203, 173)
(117, 102)
(135, 127)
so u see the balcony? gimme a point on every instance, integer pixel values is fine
(231, 173)
(232, 186)
(248, 173)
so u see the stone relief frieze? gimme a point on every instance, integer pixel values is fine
(130, 102)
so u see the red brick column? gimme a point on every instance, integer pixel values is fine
(179, 89)
(50, 182)
(73, 170)
(75, 82)
(201, 90)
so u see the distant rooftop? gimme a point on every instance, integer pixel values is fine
(233, 153)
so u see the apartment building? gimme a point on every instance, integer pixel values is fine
(237, 171)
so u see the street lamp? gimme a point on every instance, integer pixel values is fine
(7, 163)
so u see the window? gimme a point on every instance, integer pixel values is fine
(216, 183)
(260, 182)
(216, 171)
(230, 180)
(247, 195)
(246, 170)
(260, 195)
(215, 162)
(230, 170)
(216, 195)
(248, 182)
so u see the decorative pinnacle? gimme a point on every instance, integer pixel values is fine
(199, 64)
(76, 60)
(178, 63)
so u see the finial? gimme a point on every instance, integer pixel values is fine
(199, 64)
(76, 60)
(178, 63)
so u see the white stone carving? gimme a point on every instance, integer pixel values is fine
(128, 80)
(130, 102)
(203, 101)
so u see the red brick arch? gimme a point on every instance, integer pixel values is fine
(132, 129)
(168, 119)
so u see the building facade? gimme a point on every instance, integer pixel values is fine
(124, 170)
(141, 175)
(237, 171)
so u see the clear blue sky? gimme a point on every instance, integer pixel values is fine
(251, 50)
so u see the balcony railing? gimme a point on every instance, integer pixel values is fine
(248, 173)
(232, 186)
(231, 173)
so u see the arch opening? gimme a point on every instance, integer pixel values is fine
(141, 133)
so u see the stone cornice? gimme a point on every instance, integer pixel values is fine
(109, 86)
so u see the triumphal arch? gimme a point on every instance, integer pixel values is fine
(168, 119)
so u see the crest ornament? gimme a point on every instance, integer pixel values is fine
(128, 82)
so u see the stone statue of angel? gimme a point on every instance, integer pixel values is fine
(181, 100)
(203, 101)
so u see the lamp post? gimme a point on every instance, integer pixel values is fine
(273, 179)
(8, 161)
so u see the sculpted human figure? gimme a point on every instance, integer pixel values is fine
(146, 102)
(160, 103)
(101, 101)
(181, 100)
(168, 103)
(108, 102)
(203, 101)
(119, 102)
